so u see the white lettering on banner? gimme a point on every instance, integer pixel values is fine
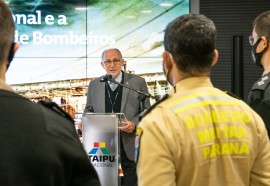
(23, 39)
(36, 19)
(71, 38)
(68, 38)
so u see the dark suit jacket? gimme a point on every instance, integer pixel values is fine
(130, 105)
(40, 146)
(259, 99)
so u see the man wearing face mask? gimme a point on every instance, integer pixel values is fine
(38, 142)
(199, 135)
(259, 96)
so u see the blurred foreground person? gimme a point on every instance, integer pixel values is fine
(199, 135)
(38, 142)
(259, 96)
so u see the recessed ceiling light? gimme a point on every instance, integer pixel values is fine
(166, 4)
(81, 8)
(130, 17)
(146, 11)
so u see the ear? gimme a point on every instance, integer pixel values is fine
(16, 47)
(215, 58)
(13, 48)
(123, 63)
(102, 64)
(264, 42)
(167, 59)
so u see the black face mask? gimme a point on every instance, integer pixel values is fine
(257, 56)
(11, 54)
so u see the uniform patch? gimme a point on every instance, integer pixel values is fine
(139, 132)
(261, 82)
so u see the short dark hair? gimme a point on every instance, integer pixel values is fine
(261, 24)
(7, 31)
(191, 40)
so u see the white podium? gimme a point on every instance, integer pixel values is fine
(101, 138)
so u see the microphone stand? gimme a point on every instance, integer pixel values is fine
(142, 95)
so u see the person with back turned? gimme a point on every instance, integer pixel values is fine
(259, 96)
(38, 142)
(199, 135)
(104, 96)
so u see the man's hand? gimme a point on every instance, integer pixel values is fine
(128, 126)
(79, 124)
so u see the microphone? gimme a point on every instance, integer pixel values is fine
(107, 78)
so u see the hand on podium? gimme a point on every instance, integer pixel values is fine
(79, 124)
(128, 126)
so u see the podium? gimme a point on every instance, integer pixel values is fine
(101, 138)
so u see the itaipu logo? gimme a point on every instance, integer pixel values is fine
(104, 160)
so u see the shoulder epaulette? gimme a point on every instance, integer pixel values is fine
(262, 83)
(143, 114)
(232, 95)
(54, 107)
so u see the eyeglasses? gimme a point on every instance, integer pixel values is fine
(108, 62)
(252, 39)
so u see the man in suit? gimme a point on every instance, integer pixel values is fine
(108, 97)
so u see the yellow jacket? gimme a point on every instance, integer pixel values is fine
(200, 136)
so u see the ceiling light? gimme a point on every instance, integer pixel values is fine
(146, 11)
(81, 8)
(166, 4)
(130, 17)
